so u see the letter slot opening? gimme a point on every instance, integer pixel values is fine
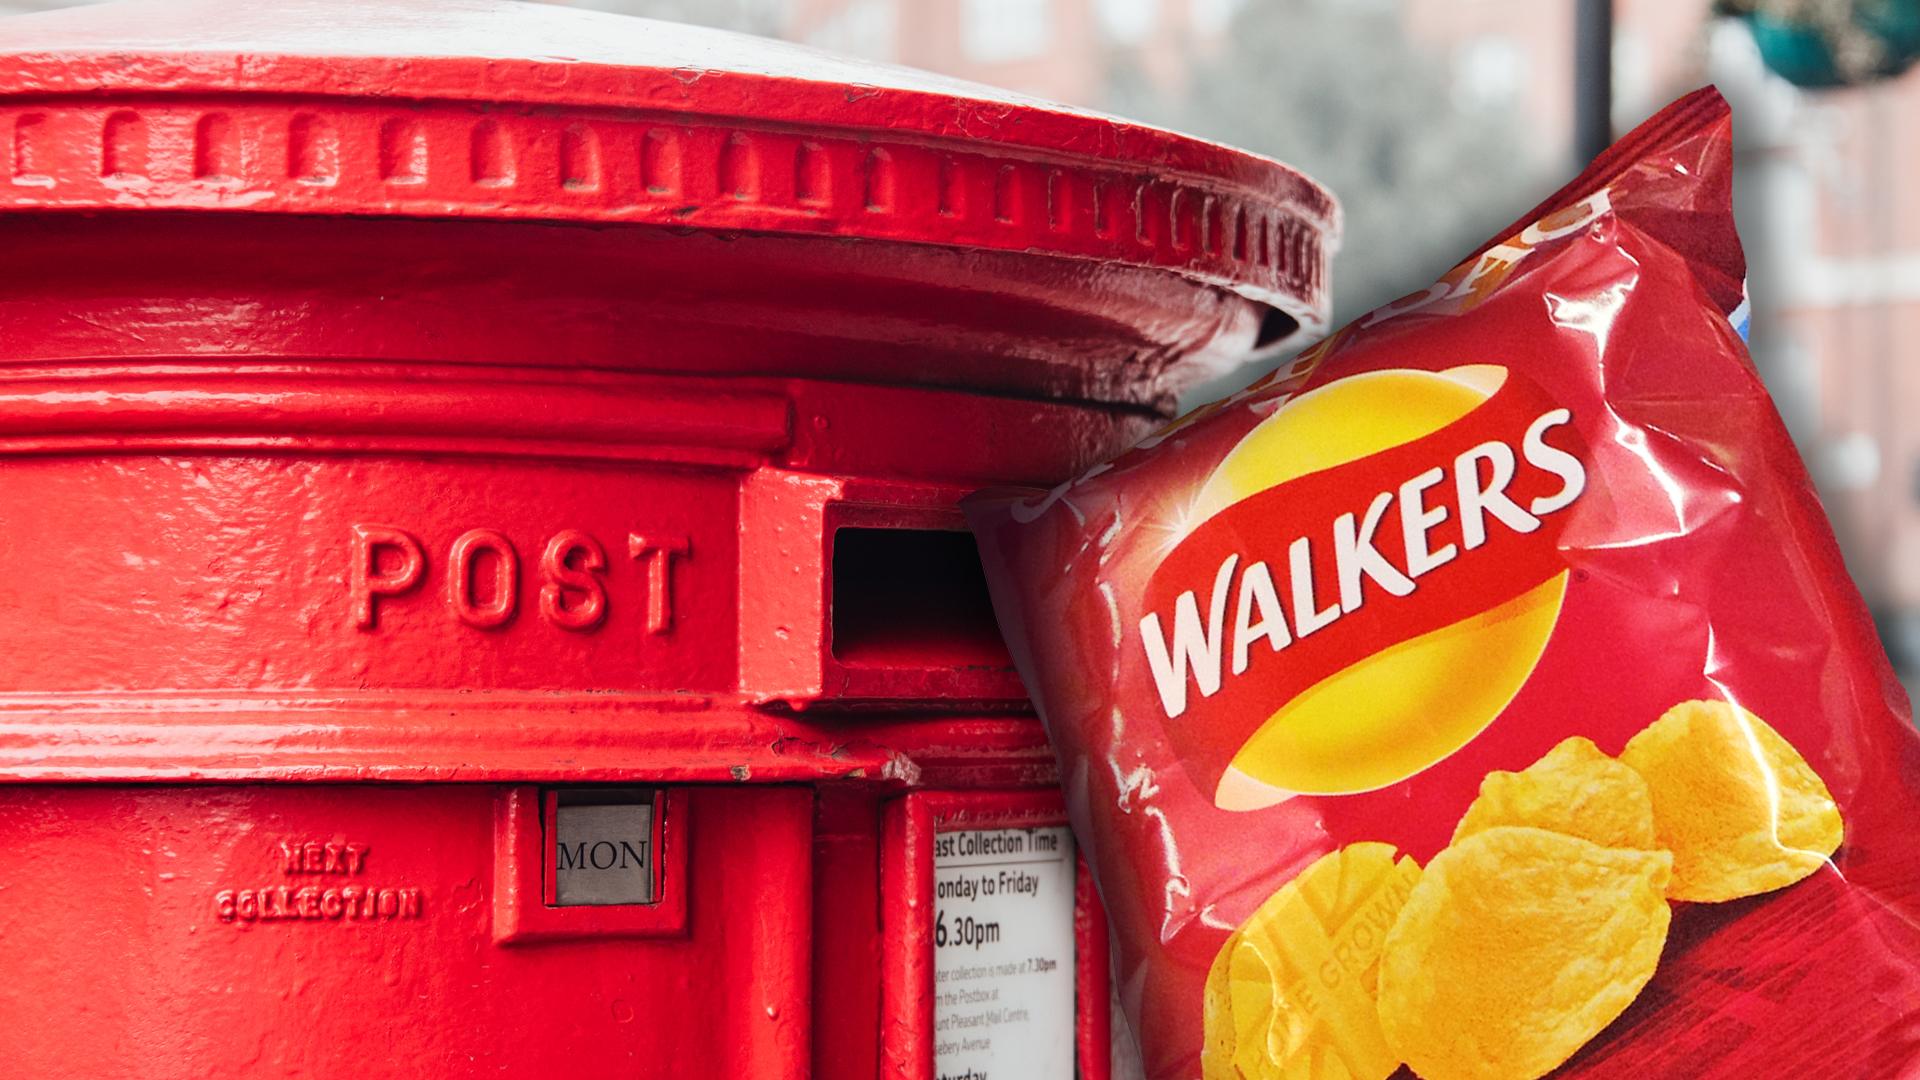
(912, 598)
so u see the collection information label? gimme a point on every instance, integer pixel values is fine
(1003, 954)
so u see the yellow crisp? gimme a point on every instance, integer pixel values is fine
(1216, 1051)
(1291, 994)
(1575, 789)
(1741, 810)
(1517, 946)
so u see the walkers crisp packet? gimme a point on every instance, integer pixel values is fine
(1483, 695)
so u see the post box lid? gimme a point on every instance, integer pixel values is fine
(492, 109)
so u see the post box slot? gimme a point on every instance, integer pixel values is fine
(912, 598)
(1275, 326)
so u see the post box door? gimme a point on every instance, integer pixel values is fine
(173, 932)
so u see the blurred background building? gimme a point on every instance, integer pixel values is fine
(1436, 121)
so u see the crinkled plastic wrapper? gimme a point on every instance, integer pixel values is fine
(1483, 695)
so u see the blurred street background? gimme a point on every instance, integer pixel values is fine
(1437, 121)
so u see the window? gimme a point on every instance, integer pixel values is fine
(1489, 72)
(1128, 22)
(865, 28)
(1002, 31)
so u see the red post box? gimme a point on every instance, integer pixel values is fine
(482, 590)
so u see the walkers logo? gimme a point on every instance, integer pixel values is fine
(1374, 574)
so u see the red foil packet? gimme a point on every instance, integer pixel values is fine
(1547, 498)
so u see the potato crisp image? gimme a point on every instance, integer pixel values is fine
(1741, 810)
(1291, 994)
(1516, 947)
(1575, 789)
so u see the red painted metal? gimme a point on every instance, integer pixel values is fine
(410, 409)
(119, 965)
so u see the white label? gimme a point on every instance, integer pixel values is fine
(603, 854)
(1003, 954)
